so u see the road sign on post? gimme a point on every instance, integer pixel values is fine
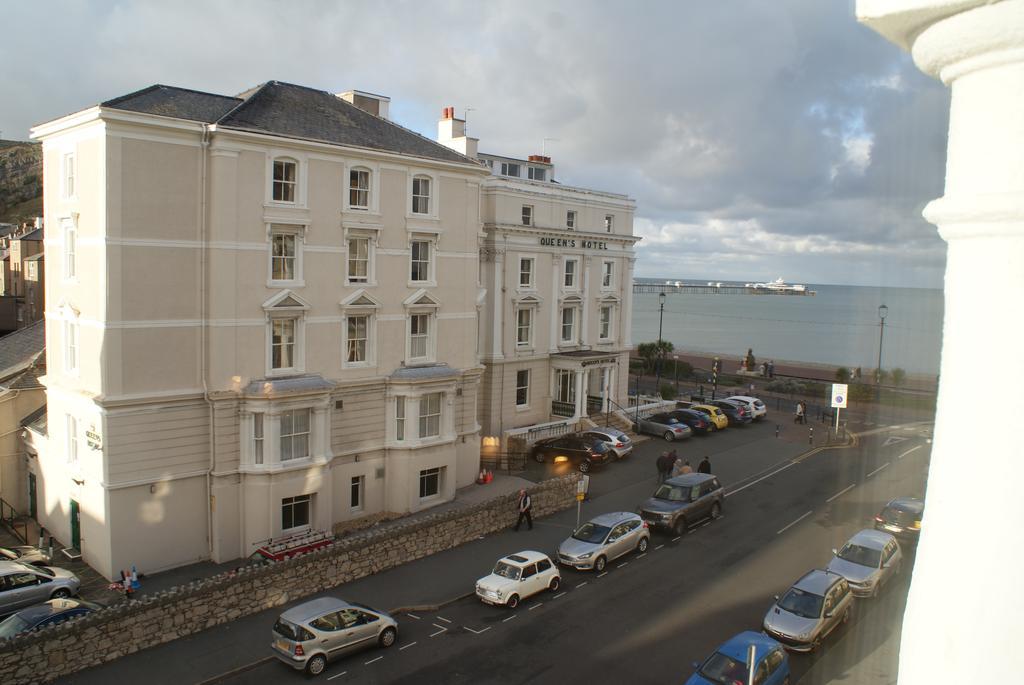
(838, 400)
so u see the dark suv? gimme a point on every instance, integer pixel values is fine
(902, 518)
(683, 500)
(583, 451)
(736, 413)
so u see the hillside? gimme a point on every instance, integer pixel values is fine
(21, 181)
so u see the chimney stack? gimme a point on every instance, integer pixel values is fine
(451, 132)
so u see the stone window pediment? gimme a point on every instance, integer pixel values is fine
(421, 299)
(360, 299)
(285, 301)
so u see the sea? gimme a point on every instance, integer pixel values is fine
(838, 326)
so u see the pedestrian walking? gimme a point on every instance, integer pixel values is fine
(524, 504)
(681, 468)
(771, 368)
(664, 464)
(763, 369)
(704, 466)
(799, 418)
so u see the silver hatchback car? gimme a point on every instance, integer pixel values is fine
(603, 539)
(309, 635)
(617, 441)
(22, 585)
(868, 561)
(815, 606)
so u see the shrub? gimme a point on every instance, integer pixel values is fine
(668, 391)
(787, 385)
(899, 376)
(842, 375)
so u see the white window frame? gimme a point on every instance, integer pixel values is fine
(529, 311)
(307, 500)
(570, 219)
(527, 216)
(71, 346)
(536, 173)
(356, 190)
(400, 422)
(261, 424)
(68, 176)
(525, 388)
(606, 326)
(277, 322)
(278, 308)
(298, 234)
(348, 321)
(607, 274)
(284, 184)
(572, 283)
(430, 243)
(282, 436)
(532, 273)
(573, 339)
(259, 438)
(428, 197)
(428, 415)
(70, 237)
(429, 338)
(371, 246)
(357, 493)
(359, 304)
(439, 473)
(507, 167)
(71, 439)
(609, 223)
(570, 387)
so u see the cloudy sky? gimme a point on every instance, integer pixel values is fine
(760, 139)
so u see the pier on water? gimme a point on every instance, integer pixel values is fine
(711, 289)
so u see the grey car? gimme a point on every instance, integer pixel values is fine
(683, 500)
(23, 585)
(663, 424)
(309, 635)
(810, 610)
(26, 554)
(617, 441)
(868, 561)
(603, 539)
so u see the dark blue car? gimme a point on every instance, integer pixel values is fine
(46, 614)
(728, 665)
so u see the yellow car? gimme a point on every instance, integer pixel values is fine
(718, 418)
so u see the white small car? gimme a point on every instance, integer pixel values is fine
(517, 577)
(755, 406)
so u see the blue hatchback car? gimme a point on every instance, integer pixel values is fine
(728, 665)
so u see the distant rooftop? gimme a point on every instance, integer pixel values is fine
(18, 350)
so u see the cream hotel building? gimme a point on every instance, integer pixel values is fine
(280, 311)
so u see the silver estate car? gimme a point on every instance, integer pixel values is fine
(868, 561)
(617, 441)
(603, 539)
(309, 635)
(810, 610)
(22, 585)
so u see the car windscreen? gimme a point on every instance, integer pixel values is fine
(865, 556)
(10, 627)
(591, 532)
(802, 603)
(723, 669)
(672, 493)
(507, 570)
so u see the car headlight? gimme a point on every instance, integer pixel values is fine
(586, 556)
(498, 593)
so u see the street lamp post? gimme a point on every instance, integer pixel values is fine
(661, 352)
(883, 311)
(675, 365)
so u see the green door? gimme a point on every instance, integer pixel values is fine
(76, 530)
(32, 495)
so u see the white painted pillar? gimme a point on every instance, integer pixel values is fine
(584, 309)
(625, 322)
(581, 394)
(960, 625)
(556, 321)
(497, 350)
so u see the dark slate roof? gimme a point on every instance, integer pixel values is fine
(37, 234)
(29, 380)
(20, 348)
(287, 110)
(419, 373)
(291, 384)
(36, 420)
(180, 103)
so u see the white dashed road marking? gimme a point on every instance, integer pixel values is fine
(659, 547)
(602, 575)
(477, 632)
(579, 585)
(372, 660)
(558, 595)
(506, 620)
(910, 450)
(413, 616)
(878, 469)
(538, 604)
(436, 633)
(641, 555)
(442, 618)
(794, 523)
(841, 492)
(337, 675)
(677, 539)
(406, 646)
(625, 563)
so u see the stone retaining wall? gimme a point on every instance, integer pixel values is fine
(138, 624)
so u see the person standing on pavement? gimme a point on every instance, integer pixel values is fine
(524, 506)
(664, 464)
(799, 418)
(682, 468)
(704, 466)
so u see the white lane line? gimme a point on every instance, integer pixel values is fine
(659, 547)
(578, 586)
(625, 563)
(877, 470)
(641, 555)
(413, 616)
(506, 620)
(337, 675)
(677, 539)
(778, 470)
(558, 595)
(477, 632)
(538, 604)
(436, 633)
(909, 451)
(372, 660)
(602, 575)
(406, 646)
(706, 522)
(841, 492)
(794, 523)
(442, 618)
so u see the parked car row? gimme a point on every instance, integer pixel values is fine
(701, 417)
(585, 449)
(819, 601)
(33, 595)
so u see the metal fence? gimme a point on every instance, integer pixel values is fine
(11, 518)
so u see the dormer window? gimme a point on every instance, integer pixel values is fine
(285, 180)
(510, 169)
(537, 173)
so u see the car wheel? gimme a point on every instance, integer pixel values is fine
(716, 510)
(62, 593)
(555, 582)
(584, 466)
(539, 457)
(642, 545)
(669, 437)
(316, 665)
(680, 526)
(512, 602)
(387, 637)
(599, 564)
